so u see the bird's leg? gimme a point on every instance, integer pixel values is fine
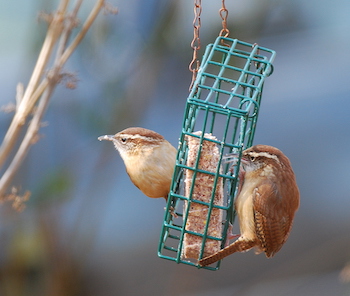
(230, 235)
(172, 212)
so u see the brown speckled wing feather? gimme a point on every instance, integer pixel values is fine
(272, 222)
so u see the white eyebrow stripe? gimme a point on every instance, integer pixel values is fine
(138, 136)
(264, 154)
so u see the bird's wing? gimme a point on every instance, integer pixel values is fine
(272, 222)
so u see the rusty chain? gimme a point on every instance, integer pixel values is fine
(196, 43)
(224, 14)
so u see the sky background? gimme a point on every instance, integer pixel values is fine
(88, 227)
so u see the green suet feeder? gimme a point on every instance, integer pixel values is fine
(220, 118)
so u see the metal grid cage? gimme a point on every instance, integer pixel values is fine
(224, 105)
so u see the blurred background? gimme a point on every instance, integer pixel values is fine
(87, 230)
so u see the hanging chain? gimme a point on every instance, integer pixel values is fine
(224, 14)
(196, 43)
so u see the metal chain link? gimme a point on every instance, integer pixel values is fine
(224, 14)
(196, 43)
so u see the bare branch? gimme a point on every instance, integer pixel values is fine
(91, 18)
(27, 103)
(19, 93)
(35, 98)
(27, 141)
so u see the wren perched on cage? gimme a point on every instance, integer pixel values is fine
(265, 205)
(149, 159)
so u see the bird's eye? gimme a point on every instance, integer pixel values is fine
(123, 140)
(252, 158)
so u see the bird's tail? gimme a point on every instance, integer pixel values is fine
(240, 245)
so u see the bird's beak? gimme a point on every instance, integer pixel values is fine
(106, 138)
(233, 158)
(244, 161)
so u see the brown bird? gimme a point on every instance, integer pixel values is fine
(266, 203)
(149, 159)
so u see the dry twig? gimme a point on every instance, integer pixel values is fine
(35, 97)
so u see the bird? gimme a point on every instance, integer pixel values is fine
(267, 200)
(149, 159)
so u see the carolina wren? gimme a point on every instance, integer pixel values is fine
(149, 159)
(266, 203)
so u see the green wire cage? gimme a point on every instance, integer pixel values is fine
(220, 118)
